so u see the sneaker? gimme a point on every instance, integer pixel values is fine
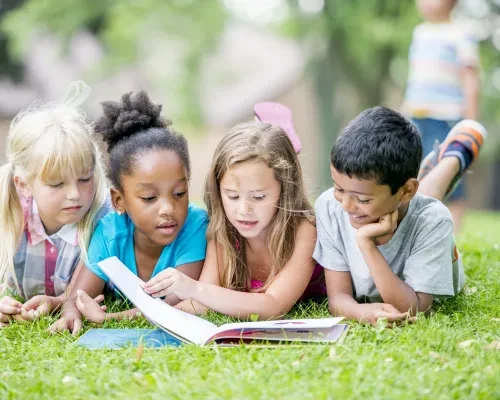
(280, 115)
(471, 135)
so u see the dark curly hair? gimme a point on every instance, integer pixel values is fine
(133, 127)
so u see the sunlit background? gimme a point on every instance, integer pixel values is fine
(208, 62)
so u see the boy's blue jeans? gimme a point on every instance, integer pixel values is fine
(430, 130)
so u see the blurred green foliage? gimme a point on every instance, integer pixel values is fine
(123, 27)
(356, 43)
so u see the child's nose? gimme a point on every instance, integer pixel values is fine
(166, 208)
(348, 204)
(245, 207)
(73, 193)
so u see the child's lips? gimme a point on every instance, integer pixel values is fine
(168, 227)
(247, 224)
(72, 208)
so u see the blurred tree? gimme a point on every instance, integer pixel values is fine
(9, 65)
(124, 26)
(360, 42)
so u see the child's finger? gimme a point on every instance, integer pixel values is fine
(10, 308)
(161, 293)
(58, 326)
(99, 298)
(104, 308)
(161, 285)
(28, 315)
(77, 326)
(157, 279)
(392, 317)
(18, 318)
(83, 296)
(32, 303)
(5, 318)
(10, 301)
(80, 305)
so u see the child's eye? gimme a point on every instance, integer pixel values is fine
(363, 201)
(85, 179)
(148, 198)
(233, 197)
(338, 190)
(55, 185)
(180, 194)
(258, 198)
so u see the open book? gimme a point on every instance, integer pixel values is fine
(192, 329)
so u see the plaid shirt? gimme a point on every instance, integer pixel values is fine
(44, 264)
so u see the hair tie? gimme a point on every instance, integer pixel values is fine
(76, 93)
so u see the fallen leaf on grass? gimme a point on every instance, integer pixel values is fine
(332, 355)
(493, 345)
(466, 343)
(139, 352)
(437, 356)
(469, 291)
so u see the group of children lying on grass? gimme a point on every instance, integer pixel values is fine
(379, 244)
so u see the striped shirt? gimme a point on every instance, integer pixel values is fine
(438, 54)
(44, 264)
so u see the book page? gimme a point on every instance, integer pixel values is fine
(314, 323)
(185, 326)
(247, 335)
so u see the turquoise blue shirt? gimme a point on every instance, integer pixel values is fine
(114, 236)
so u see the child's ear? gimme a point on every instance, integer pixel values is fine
(409, 190)
(22, 187)
(117, 200)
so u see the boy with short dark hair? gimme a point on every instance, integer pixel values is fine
(384, 238)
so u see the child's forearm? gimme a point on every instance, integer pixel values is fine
(128, 314)
(237, 304)
(192, 306)
(392, 289)
(471, 93)
(344, 305)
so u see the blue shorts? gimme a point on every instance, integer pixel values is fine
(430, 130)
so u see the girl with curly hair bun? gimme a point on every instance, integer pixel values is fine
(154, 228)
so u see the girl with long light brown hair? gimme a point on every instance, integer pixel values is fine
(261, 234)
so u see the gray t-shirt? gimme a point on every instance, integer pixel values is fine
(422, 251)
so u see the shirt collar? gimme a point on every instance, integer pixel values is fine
(36, 231)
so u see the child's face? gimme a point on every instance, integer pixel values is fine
(364, 200)
(155, 197)
(250, 195)
(435, 10)
(64, 200)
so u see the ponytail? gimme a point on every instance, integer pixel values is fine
(11, 223)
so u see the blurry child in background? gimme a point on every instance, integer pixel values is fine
(443, 82)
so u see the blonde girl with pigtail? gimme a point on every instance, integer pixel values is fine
(52, 193)
(261, 234)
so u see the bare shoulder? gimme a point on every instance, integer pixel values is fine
(306, 230)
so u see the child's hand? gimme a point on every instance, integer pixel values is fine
(90, 308)
(376, 311)
(69, 321)
(9, 309)
(40, 305)
(171, 281)
(386, 225)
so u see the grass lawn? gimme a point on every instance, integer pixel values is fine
(446, 356)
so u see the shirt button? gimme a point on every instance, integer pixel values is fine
(52, 278)
(52, 249)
